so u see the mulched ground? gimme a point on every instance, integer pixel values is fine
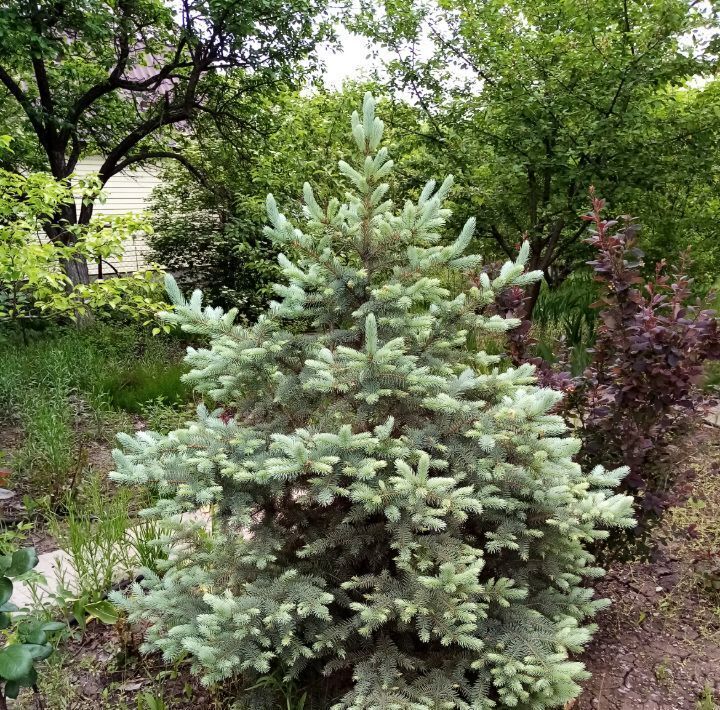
(659, 643)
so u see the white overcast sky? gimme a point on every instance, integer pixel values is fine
(348, 60)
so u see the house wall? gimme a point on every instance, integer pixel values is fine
(128, 191)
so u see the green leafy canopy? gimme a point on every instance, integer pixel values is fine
(530, 102)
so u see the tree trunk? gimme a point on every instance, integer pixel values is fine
(75, 267)
(531, 299)
(542, 256)
(77, 270)
(533, 293)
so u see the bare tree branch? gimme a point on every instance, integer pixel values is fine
(501, 241)
(147, 155)
(17, 93)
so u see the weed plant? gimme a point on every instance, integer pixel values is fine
(163, 417)
(104, 540)
(93, 531)
(149, 540)
(711, 379)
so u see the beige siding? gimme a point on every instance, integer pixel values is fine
(129, 191)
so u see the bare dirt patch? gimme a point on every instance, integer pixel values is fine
(103, 670)
(659, 644)
(646, 656)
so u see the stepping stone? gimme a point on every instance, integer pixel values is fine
(713, 416)
(57, 570)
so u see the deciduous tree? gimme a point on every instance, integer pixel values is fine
(115, 76)
(533, 101)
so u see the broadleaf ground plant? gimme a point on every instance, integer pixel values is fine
(28, 638)
(398, 521)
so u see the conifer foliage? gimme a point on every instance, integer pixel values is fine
(391, 508)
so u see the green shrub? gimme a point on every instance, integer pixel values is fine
(34, 284)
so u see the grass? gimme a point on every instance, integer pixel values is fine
(68, 385)
(147, 381)
(49, 454)
(564, 315)
(573, 297)
(100, 361)
(63, 397)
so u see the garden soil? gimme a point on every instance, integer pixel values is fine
(658, 646)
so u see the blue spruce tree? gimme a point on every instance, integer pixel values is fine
(391, 508)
